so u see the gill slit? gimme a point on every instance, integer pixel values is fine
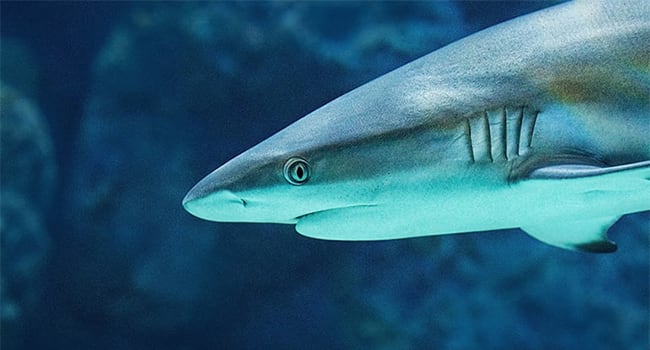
(501, 134)
(486, 125)
(469, 135)
(504, 132)
(532, 129)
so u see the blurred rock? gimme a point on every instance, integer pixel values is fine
(25, 246)
(371, 38)
(482, 14)
(27, 165)
(27, 172)
(18, 68)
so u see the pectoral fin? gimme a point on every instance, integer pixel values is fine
(588, 235)
(581, 170)
(605, 192)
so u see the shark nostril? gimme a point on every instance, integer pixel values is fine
(243, 202)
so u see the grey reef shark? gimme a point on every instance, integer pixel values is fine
(540, 123)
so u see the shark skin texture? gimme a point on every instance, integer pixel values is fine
(540, 123)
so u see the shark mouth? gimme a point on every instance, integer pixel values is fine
(321, 211)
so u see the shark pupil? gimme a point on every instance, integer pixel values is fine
(296, 171)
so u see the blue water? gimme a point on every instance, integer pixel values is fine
(111, 111)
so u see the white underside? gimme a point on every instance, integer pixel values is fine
(448, 208)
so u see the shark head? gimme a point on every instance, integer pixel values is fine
(295, 173)
(330, 161)
(250, 188)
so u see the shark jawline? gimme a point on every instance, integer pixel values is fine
(300, 217)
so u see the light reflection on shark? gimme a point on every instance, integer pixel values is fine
(540, 123)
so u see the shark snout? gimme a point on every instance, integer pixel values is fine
(211, 198)
(213, 206)
(200, 194)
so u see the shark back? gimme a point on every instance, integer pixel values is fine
(570, 53)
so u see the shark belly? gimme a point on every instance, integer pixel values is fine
(422, 211)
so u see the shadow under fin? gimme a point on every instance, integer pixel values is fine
(587, 235)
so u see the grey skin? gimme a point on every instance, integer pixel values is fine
(540, 123)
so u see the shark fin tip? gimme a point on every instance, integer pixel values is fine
(589, 236)
(600, 246)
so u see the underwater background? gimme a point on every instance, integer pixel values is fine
(111, 111)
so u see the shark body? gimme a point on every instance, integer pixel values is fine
(540, 123)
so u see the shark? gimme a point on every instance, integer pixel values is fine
(540, 123)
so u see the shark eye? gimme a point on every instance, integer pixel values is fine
(296, 171)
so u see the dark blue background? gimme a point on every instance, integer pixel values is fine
(139, 100)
